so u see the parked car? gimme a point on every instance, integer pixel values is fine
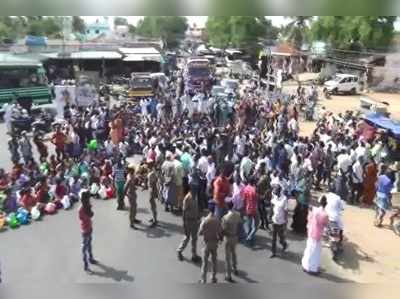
(230, 85)
(342, 83)
(216, 90)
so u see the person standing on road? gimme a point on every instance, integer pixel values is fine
(317, 221)
(210, 229)
(119, 175)
(152, 184)
(385, 185)
(279, 219)
(85, 217)
(13, 146)
(26, 147)
(58, 139)
(191, 219)
(231, 224)
(130, 192)
(250, 200)
(369, 183)
(222, 189)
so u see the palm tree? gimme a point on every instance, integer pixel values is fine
(296, 31)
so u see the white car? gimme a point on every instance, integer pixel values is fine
(342, 83)
(230, 85)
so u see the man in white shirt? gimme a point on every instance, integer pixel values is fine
(246, 165)
(361, 151)
(240, 143)
(357, 177)
(211, 170)
(344, 161)
(279, 219)
(202, 164)
(334, 209)
(293, 127)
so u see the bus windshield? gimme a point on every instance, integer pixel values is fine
(199, 72)
(21, 77)
(141, 83)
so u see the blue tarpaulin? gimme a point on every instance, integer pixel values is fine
(385, 123)
(32, 40)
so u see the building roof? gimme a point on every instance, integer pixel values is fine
(86, 55)
(284, 50)
(149, 50)
(143, 57)
(14, 60)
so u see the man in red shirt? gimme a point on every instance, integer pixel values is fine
(250, 200)
(222, 189)
(58, 140)
(85, 217)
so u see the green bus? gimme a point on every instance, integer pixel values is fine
(23, 80)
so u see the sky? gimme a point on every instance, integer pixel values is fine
(201, 20)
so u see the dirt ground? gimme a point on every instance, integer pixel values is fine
(371, 255)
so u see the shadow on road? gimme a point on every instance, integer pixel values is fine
(112, 273)
(352, 255)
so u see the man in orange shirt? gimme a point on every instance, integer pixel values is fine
(222, 189)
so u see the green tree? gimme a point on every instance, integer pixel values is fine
(219, 31)
(238, 31)
(49, 26)
(297, 31)
(5, 31)
(118, 21)
(12, 27)
(169, 29)
(78, 24)
(347, 32)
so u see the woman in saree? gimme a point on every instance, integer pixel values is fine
(369, 182)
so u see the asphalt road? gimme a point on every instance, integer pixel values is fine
(49, 251)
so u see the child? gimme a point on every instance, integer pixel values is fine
(85, 217)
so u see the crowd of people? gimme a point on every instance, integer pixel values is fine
(243, 170)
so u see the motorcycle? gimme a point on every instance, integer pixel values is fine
(21, 122)
(44, 122)
(335, 242)
(327, 93)
(309, 111)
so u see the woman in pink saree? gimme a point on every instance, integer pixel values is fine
(317, 221)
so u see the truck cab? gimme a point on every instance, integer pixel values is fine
(197, 75)
(140, 85)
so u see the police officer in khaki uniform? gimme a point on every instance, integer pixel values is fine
(210, 229)
(152, 184)
(191, 221)
(230, 229)
(130, 192)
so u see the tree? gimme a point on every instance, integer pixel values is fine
(78, 24)
(12, 27)
(271, 32)
(219, 31)
(118, 21)
(237, 31)
(169, 29)
(347, 32)
(5, 31)
(49, 26)
(131, 29)
(297, 31)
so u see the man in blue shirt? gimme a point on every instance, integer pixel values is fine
(383, 195)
